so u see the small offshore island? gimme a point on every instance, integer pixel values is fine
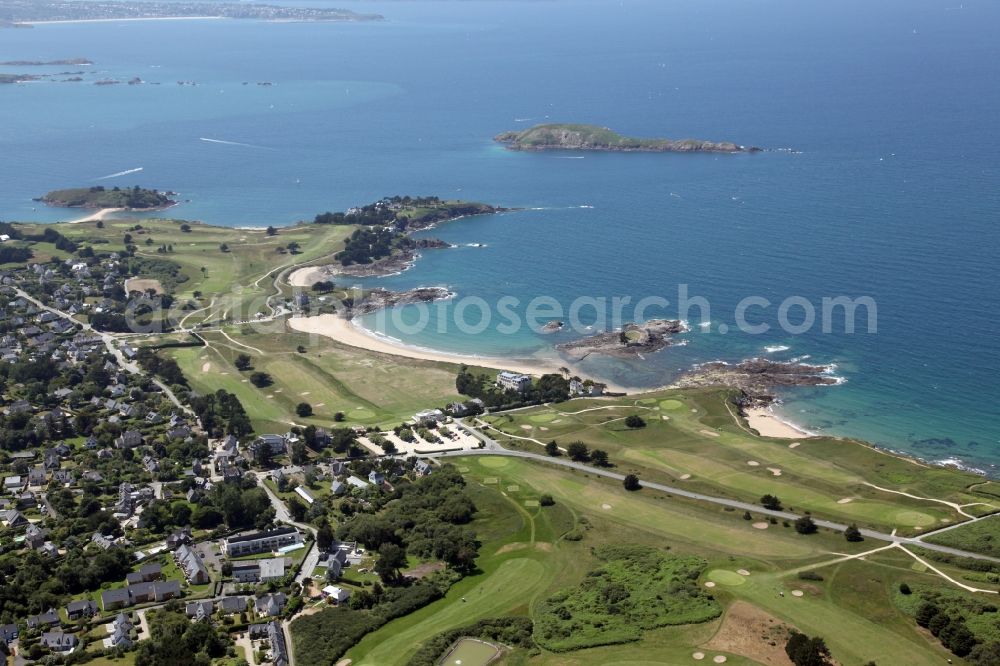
(632, 340)
(568, 136)
(99, 197)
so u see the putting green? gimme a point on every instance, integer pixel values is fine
(542, 418)
(913, 518)
(671, 404)
(494, 461)
(723, 577)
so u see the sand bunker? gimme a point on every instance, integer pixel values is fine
(606, 507)
(698, 656)
(793, 445)
(527, 427)
(719, 659)
(743, 572)
(797, 593)
(774, 470)
(846, 500)
(709, 584)
(685, 477)
(753, 463)
(304, 393)
(709, 433)
(205, 367)
(761, 526)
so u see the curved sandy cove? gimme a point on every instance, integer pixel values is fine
(348, 333)
(768, 425)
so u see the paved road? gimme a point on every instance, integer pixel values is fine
(282, 515)
(493, 448)
(111, 343)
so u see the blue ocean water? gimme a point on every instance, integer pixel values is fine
(890, 190)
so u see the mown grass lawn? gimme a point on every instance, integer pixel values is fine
(692, 437)
(369, 389)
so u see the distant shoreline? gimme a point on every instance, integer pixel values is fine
(116, 20)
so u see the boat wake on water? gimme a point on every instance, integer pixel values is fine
(120, 173)
(233, 143)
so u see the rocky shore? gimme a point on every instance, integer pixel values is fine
(381, 299)
(756, 377)
(633, 340)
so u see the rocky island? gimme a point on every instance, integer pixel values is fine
(564, 136)
(135, 198)
(632, 340)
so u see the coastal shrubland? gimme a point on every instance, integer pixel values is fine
(982, 536)
(636, 589)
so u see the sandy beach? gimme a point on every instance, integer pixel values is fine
(346, 332)
(764, 421)
(307, 277)
(96, 215)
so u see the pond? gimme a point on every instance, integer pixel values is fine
(470, 652)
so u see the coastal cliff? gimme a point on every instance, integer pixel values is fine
(562, 136)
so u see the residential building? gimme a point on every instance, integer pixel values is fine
(261, 542)
(59, 641)
(82, 608)
(513, 381)
(232, 605)
(191, 564)
(199, 610)
(48, 618)
(270, 605)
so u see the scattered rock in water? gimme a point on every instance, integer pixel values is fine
(553, 327)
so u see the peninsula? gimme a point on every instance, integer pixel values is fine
(135, 198)
(565, 136)
(381, 243)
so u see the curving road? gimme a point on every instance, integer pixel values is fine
(493, 448)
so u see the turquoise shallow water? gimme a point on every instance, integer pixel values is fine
(891, 193)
